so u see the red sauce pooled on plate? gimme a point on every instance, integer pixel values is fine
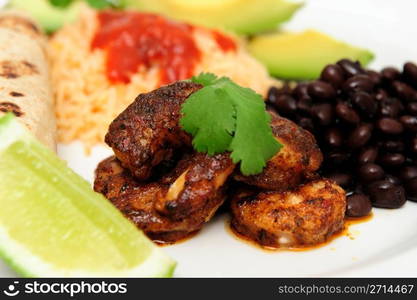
(133, 40)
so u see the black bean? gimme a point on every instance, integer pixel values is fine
(269, 107)
(392, 159)
(370, 172)
(285, 105)
(381, 95)
(390, 74)
(300, 91)
(409, 122)
(333, 74)
(307, 124)
(365, 103)
(342, 179)
(323, 113)
(410, 73)
(385, 194)
(389, 107)
(393, 179)
(359, 188)
(273, 93)
(375, 77)
(404, 91)
(336, 158)
(413, 145)
(408, 173)
(360, 136)
(392, 145)
(368, 155)
(304, 106)
(350, 68)
(342, 108)
(333, 137)
(358, 83)
(321, 90)
(346, 113)
(412, 108)
(411, 189)
(390, 126)
(358, 205)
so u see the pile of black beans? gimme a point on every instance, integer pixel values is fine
(365, 123)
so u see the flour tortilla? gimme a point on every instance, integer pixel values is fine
(24, 76)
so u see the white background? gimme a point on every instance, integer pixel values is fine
(387, 27)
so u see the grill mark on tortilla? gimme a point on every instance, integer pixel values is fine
(19, 24)
(14, 69)
(11, 107)
(16, 94)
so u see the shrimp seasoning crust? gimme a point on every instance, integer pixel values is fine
(148, 130)
(305, 216)
(195, 185)
(298, 159)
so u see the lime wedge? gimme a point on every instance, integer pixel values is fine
(52, 224)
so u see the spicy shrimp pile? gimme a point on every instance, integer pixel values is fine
(158, 181)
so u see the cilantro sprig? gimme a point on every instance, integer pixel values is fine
(223, 116)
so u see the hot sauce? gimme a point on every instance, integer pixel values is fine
(224, 42)
(344, 232)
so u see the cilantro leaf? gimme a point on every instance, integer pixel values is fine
(216, 137)
(60, 3)
(223, 116)
(253, 143)
(204, 78)
(101, 4)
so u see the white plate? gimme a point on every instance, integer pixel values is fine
(384, 246)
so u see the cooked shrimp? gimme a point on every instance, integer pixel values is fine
(194, 186)
(305, 216)
(148, 131)
(298, 158)
(203, 175)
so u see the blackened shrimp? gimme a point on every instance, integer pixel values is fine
(298, 158)
(187, 187)
(305, 216)
(201, 176)
(147, 132)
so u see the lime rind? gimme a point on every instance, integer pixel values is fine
(18, 258)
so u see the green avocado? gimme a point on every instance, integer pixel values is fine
(48, 16)
(302, 55)
(239, 16)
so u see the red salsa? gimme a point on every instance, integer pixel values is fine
(224, 42)
(133, 40)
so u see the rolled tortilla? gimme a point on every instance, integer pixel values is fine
(24, 77)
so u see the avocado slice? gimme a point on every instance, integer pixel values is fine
(48, 16)
(302, 55)
(239, 16)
